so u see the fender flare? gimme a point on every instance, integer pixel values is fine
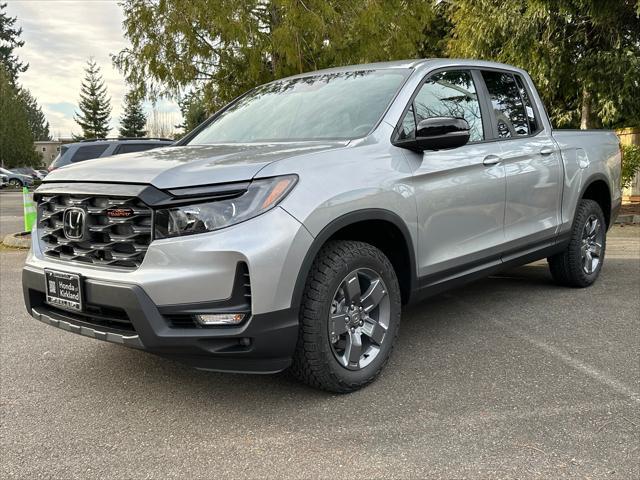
(344, 221)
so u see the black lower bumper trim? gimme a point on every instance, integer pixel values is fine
(263, 344)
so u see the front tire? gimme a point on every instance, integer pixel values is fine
(349, 317)
(15, 183)
(580, 263)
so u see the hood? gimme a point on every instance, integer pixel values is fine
(172, 167)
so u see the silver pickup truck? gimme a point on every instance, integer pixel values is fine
(288, 230)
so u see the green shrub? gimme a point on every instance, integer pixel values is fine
(630, 164)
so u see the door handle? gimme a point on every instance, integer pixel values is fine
(491, 160)
(546, 151)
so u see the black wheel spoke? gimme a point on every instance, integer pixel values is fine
(352, 290)
(374, 294)
(353, 349)
(374, 330)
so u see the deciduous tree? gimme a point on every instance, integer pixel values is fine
(584, 55)
(225, 47)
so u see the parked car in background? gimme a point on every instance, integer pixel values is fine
(288, 230)
(104, 147)
(35, 174)
(43, 173)
(17, 179)
(4, 180)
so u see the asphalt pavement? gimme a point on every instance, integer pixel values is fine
(11, 219)
(509, 377)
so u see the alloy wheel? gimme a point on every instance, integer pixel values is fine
(591, 247)
(359, 318)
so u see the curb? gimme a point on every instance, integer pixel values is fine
(628, 219)
(18, 240)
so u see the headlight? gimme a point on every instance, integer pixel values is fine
(209, 215)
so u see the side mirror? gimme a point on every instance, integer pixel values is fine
(438, 133)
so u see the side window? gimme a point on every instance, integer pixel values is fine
(534, 124)
(408, 127)
(451, 94)
(136, 147)
(90, 151)
(507, 104)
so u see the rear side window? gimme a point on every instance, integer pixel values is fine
(87, 152)
(446, 94)
(136, 147)
(534, 124)
(508, 107)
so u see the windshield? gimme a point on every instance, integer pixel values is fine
(340, 105)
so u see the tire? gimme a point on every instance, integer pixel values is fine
(15, 183)
(573, 267)
(324, 351)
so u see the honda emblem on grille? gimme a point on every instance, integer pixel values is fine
(74, 222)
(119, 212)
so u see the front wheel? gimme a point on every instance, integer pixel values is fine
(580, 263)
(15, 183)
(349, 318)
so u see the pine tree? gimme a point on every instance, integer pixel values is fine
(16, 140)
(95, 106)
(133, 119)
(35, 118)
(9, 40)
(193, 111)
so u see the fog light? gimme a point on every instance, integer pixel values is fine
(220, 319)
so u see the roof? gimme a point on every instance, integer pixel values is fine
(416, 64)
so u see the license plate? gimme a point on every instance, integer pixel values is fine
(63, 289)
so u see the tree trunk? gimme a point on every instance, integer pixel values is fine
(586, 120)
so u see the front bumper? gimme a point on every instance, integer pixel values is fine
(264, 343)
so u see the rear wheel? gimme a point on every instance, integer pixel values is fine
(15, 183)
(580, 263)
(349, 317)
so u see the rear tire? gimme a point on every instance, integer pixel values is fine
(15, 183)
(349, 317)
(580, 263)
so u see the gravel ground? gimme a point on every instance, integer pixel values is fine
(510, 377)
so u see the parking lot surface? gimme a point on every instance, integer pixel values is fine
(509, 377)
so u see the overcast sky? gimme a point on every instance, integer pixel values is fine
(59, 37)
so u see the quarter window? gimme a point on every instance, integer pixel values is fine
(446, 94)
(508, 107)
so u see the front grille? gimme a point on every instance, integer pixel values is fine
(117, 242)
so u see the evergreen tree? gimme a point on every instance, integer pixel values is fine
(193, 111)
(37, 122)
(95, 106)
(9, 40)
(16, 140)
(133, 120)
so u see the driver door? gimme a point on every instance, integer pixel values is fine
(460, 192)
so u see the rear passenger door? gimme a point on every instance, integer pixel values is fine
(460, 192)
(531, 161)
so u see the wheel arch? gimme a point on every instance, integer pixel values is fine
(597, 188)
(388, 227)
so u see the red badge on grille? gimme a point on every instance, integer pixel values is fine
(119, 212)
